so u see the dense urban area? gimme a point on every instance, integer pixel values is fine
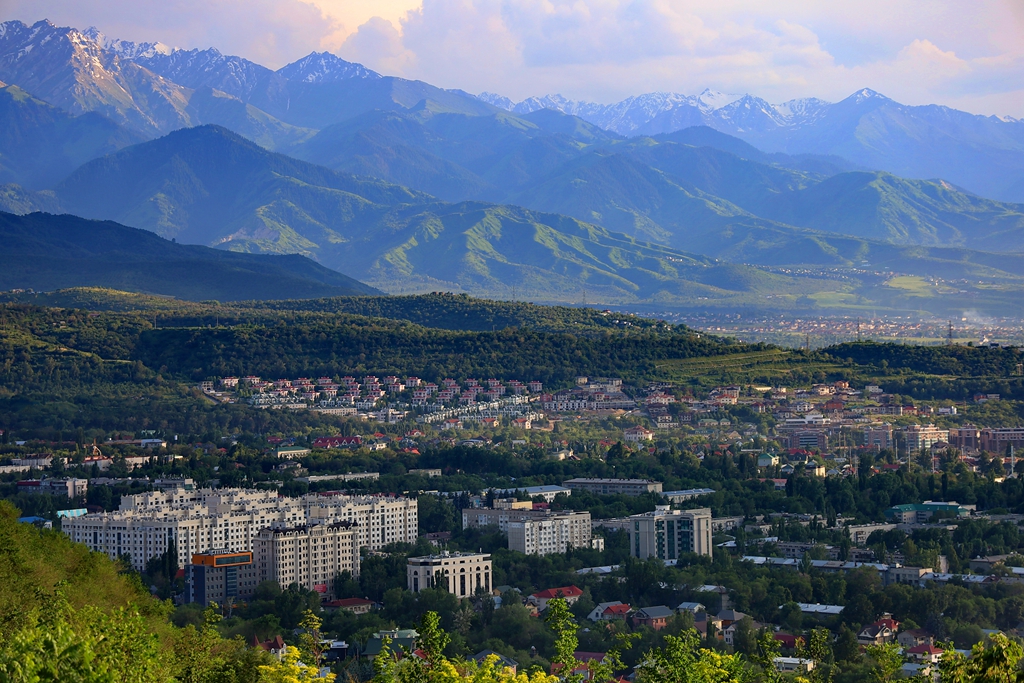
(834, 514)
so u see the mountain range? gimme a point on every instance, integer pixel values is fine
(984, 154)
(411, 188)
(47, 252)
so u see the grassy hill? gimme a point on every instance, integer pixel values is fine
(45, 252)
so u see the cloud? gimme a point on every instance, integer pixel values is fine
(916, 51)
(923, 51)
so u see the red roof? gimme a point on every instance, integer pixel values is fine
(563, 592)
(925, 649)
(617, 609)
(349, 602)
(588, 656)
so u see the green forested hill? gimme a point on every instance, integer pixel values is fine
(44, 252)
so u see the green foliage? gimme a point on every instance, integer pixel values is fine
(45, 252)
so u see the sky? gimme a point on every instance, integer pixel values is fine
(969, 55)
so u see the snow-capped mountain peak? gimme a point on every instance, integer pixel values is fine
(126, 49)
(713, 99)
(499, 101)
(324, 67)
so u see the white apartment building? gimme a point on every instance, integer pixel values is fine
(666, 533)
(461, 574)
(917, 437)
(147, 525)
(555, 533)
(309, 555)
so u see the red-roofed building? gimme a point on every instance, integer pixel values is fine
(925, 654)
(879, 633)
(570, 593)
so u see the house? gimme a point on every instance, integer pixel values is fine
(401, 639)
(638, 434)
(694, 607)
(607, 611)
(789, 642)
(787, 664)
(707, 624)
(656, 617)
(570, 593)
(914, 637)
(880, 632)
(729, 617)
(353, 605)
(275, 646)
(503, 661)
(925, 654)
(583, 669)
(729, 632)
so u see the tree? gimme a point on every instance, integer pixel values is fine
(433, 640)
(682, 661)
(819, 649)
(846, 648)
(888, 661)
(311, 641)
(290, 670)
(745, 638)
(560, 620)
(768, 648)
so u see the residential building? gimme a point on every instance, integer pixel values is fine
(667, 534)
(914, 637)
(637, 434)
(461, 574)
(609, 611)
(69, 487)
(220, 576)
(552, 533)
(918, 437)
(859, 533)
(191, 521)
(791, 664)
(656, 617)
(966, 438)
(998, 441)
(548, 492)
(311, 555)
(628, 487)
(569, 593)
(880, 632)
(878, 436)
(919, 513)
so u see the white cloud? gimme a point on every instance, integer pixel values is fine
(965, 54)
(917, 51)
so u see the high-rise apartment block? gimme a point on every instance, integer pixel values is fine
(311, 556)
(667, 534)
(534, 532)
(147, 525)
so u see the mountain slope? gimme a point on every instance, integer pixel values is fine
(883, 207)
(980, 153)
(41, 144)
(45, 252)
(70, 70)
(209, 186)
